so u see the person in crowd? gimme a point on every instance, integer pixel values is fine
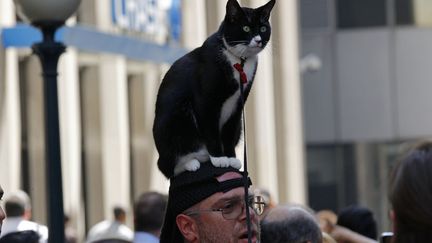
(326, 218)
(327, 221)
(290, 224)
(27, 236)
(410, 195)
(113, 230)
(327, 238)
(345, 235)
(149, 212)
(2, 213)
(208, 206)
(18, 215)
(358, 219)
(70, 233)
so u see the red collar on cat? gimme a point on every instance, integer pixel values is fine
(239, 68)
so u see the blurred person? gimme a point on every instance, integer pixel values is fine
(111, 229)
(358, 219)
(2, 213)
(290, 224)
(326, 218)
(345, 235)
(207, 206)
(410, 195)
(327, 238)
(26, 236)
(113, 241)
(149, 213)
(18, 215)
(70, 233)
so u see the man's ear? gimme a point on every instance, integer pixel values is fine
(187, 227)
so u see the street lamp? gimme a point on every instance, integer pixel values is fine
(48, 16)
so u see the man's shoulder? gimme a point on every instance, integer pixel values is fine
(141, 236)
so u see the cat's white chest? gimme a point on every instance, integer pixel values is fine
(230, 104)
(249, 66)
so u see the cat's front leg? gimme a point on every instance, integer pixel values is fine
(191, 161)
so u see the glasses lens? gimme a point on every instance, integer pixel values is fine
(232, 209)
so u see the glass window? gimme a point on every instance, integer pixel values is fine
(331, 176)
(361, 13)
(413, 12)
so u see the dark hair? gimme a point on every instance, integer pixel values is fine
(149, 211)
(27, 236)
(298, 226)
(118, 212)
(111, 241)
(14, 209)
(410, 195)
(358, 219)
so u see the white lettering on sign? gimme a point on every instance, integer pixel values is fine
(149, 16)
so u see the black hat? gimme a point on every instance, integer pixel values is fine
(190, 188)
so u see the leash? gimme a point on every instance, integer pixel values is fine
(243, 80)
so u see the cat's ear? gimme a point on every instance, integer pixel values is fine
(233, 11)
(266, 9)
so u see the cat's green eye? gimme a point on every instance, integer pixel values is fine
(263, 29)
(246, 28)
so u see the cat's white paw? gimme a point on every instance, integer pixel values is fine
(192, 165)
(234, 162)
(220, 161)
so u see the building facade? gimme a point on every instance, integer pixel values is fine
(367, 99)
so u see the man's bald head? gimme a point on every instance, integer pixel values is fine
(290, 224)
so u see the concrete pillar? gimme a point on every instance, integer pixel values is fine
(215, 14)
(291, 156)
(143, 89)
(261, 120)
(10, 118)
(115, 132)
(34, 133)
(115, 148)
(91, 144)
(70, 137)
(158, 181)
(193, 23)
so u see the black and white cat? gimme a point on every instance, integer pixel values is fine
(198, 107)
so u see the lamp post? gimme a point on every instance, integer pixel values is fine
(48, 16)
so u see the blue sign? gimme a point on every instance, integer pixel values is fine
(157, 18)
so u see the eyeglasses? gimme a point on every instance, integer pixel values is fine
(232, 209)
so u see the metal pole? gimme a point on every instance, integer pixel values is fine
(49, 53)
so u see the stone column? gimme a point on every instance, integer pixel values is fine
(193, 23)
(115, 132)
(290, 140)
(10, 118)
(261, 114)
(70, 137)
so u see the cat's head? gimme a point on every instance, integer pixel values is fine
(246, 31)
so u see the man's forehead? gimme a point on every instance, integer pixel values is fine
(233, 194)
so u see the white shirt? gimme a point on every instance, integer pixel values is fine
(144, 237)
(15, 224)
(109, 229)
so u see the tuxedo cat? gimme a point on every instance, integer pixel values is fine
(198, 107)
